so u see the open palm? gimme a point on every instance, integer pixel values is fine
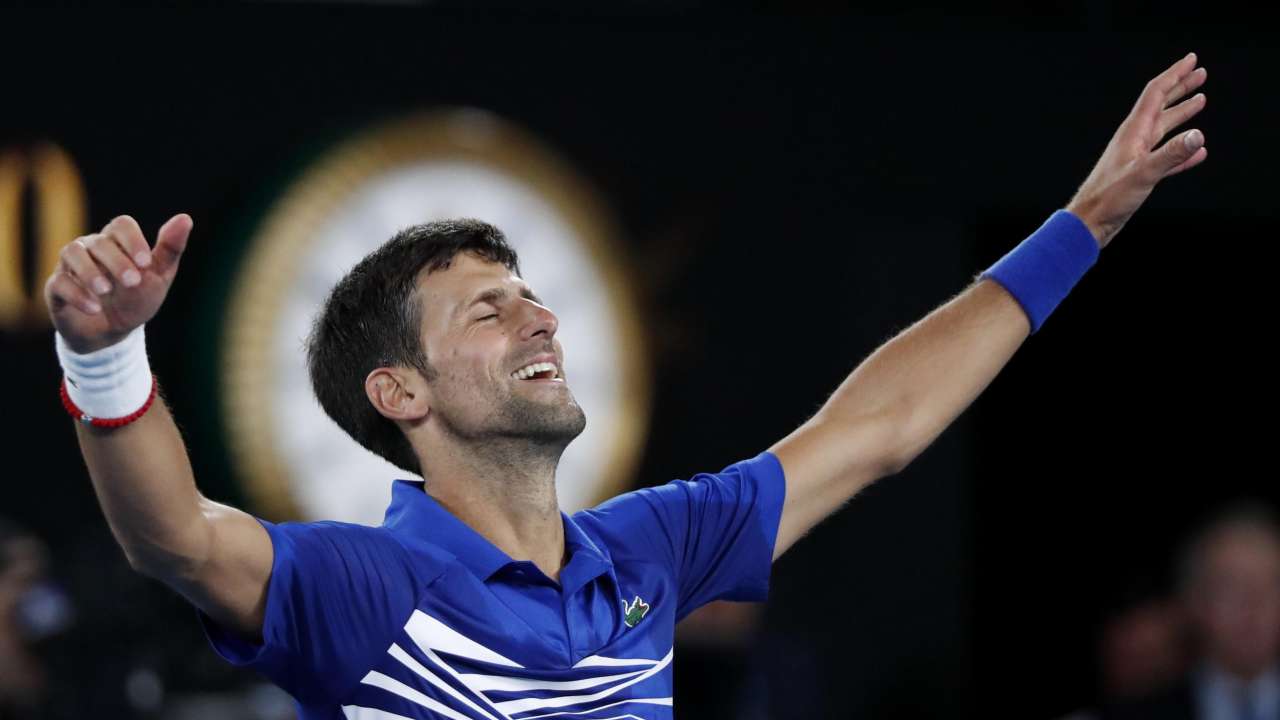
(1132, 165)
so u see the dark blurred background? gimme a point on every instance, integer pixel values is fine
(793, 184)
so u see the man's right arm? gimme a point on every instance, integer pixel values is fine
(218, 557)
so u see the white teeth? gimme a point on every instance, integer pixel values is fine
(529, 371)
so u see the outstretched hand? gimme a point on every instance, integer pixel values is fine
(107, 284)
(1132, 165)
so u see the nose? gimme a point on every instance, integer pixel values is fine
(537, 320)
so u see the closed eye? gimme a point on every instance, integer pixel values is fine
(487, 317)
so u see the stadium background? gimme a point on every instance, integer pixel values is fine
(792, 186)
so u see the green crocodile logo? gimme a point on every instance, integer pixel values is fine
(635, 613)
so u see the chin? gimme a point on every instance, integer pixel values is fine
(559, 421)
(570, 423)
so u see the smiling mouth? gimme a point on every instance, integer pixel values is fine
(538, 371)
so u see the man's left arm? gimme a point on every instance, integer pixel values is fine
(908, 391)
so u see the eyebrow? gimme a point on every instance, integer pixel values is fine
(495, 295)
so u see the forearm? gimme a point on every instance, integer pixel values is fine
(106, 287)
(143, 479)
(916, 384)
(901, 398)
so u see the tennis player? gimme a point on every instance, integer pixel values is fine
(477, 597)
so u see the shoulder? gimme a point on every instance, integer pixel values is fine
(336, 546)
(330, 534)
(748, 474)
(634, 518)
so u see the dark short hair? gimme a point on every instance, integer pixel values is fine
(373, 317)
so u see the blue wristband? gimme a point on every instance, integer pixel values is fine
(1043, 268)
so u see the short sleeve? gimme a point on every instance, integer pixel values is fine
(715, 532)
(333, 601)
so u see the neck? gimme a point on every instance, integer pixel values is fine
(504, 489)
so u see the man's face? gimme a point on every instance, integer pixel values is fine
(499, 367)
(1237, 602)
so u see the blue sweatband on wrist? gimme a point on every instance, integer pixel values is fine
(1043, 268)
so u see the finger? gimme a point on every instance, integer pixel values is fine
(1186, 84)
(1180, 113)
(107, 253)
(76, 259)
(62, 290)
(1177, 153)
(171, 241)
(1155, 95)
(126, 233)
(1197, 158)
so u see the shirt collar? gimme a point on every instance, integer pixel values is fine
(586, 560)
(1215, 675)
(417, 517)
(1221, 691)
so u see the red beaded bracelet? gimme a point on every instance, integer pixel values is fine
(80, 415)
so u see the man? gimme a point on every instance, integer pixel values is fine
(23, 675)
(1229, 579)
(1142, 652)
(477, 598)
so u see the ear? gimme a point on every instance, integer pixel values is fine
(398, 393)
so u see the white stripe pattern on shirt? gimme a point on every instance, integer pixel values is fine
(432, 637)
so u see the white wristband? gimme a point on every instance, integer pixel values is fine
(113, 382)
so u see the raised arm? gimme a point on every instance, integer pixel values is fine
(104, 288)
(908, 391)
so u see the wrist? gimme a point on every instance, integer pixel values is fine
(109, 386)
(1087, 213)
(80, 346)
(1041, 270)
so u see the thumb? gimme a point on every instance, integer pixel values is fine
(170, 242)
(1177, 152)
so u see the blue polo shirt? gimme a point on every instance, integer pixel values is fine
(424, 618)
